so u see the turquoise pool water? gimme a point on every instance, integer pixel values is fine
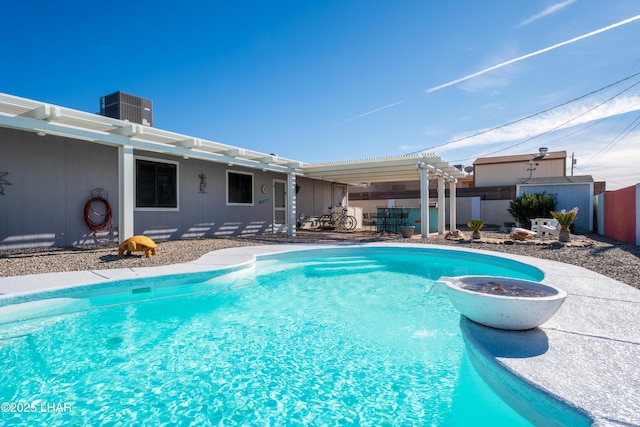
(327, 337)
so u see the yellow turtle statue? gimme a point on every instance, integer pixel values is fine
(138, 243)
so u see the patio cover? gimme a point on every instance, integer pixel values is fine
(46, 119)
(387, 169)
(402, 168)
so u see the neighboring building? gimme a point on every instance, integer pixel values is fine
(507, 170)
(466, 182)
(60, 169)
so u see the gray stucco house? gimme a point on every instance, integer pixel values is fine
(61, 170)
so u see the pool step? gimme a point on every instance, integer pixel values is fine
(339, 266)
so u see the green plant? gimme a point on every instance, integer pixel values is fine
(531, 205)
(475, 225)
(565, 219)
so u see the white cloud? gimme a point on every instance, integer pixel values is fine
(409, 147)
(561, 118)
(605, 152)
(548, 11)
(619, 167)
(495, 81)
(553, 97)
(492, 107)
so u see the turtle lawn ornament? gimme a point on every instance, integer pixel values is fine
(138, 244)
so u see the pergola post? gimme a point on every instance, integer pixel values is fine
(424, 202)
(453, 220)
(425, 169)
(291, 205)
(441, 210)
(125, 193)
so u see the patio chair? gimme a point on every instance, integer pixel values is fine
(548, 229)
(369, 221)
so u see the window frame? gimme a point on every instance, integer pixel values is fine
(135, 185)
(252, 187)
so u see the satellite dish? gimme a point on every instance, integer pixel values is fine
(468, 169)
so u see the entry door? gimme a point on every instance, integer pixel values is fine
(279, 206)
(339, 195)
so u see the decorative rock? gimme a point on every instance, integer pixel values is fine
(520, 235)
(455, 235)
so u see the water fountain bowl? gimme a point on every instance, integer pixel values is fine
(502, 302)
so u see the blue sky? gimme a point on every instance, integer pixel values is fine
(333, 80)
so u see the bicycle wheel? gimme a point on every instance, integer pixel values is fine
(348, 222)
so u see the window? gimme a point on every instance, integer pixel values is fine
(156, 184)
(239, 188)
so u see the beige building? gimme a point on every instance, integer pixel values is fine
(507, 170)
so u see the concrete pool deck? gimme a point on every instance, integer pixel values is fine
(586, 356)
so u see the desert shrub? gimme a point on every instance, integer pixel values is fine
(532, 205)
(475, 224)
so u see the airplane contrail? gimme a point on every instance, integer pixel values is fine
(529, 55)
(548, 11)
(367, 113)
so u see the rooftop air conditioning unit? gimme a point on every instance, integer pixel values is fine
(120, 105)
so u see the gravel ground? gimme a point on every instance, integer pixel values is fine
(605, 256)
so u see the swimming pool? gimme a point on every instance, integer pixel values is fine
(340, 336)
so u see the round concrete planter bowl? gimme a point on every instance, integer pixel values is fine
(503, 303)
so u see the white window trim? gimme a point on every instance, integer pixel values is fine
(135, 185)
(253, 190)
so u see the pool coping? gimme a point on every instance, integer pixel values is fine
(585, 356)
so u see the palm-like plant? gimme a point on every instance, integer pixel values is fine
(475, 225)
(565, 218)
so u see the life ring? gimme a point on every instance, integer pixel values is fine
(94, 226)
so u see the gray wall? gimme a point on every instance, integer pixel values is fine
(52, 178)
(569, 196)
(207, 214)
(314, 197)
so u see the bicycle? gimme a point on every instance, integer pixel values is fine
(333, 220)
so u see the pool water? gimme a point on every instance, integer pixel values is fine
(327, 337)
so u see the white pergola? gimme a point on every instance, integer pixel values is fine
(402, 168)
(46, 119)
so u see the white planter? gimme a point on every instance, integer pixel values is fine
(499, 308)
